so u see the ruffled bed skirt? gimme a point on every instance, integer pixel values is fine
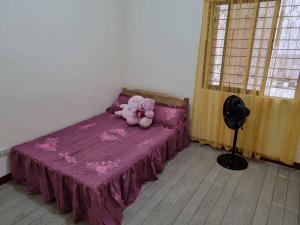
(102, 205)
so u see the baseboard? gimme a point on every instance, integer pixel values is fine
(5, 179)
(294, 166)
(4, 152)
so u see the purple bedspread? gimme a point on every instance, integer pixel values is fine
(95, 168)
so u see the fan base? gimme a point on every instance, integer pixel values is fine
(232, 162)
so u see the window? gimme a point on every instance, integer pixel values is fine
(254, 46)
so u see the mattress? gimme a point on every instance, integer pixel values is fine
(96, 167)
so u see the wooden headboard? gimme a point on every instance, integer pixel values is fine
(158, 97)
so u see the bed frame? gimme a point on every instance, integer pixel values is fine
(140, 167)
(158, 97)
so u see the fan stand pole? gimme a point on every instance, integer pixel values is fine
(233, 161)
(236, 131)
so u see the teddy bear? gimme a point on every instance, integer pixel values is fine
(139, 110)
(128, 111)
(147, 108)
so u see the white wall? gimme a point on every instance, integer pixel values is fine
(162, 38)
(59, 64)
(4, 165)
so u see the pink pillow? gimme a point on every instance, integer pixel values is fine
(122, 99)
(169, 116)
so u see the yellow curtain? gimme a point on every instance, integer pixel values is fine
(250, 48)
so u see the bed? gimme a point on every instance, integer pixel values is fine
(96, 167)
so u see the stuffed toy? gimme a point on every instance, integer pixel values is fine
(128, 111)
(139, 110)
(147, 113)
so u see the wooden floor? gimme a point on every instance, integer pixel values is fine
(193, 189)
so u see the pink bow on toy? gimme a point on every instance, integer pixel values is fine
(140, 113)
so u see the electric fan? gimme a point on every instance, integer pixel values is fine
(235, 113)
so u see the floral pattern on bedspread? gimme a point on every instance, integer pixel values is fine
(113, 134)
(67, 157)
(49, 145)
(87, 126)
(102, 167)
(118, 131)
(146, 142)
(108, 137)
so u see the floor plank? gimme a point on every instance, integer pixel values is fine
(238, 197)
(22, 210)
(224, 199)
(263, 207)
(280, 191)
(290, 217)
(276, 214)
(144, 211)
(279, 197)
(246, 208)
(183, 191)
(292, 198)
(206, 206)
(182, 160)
